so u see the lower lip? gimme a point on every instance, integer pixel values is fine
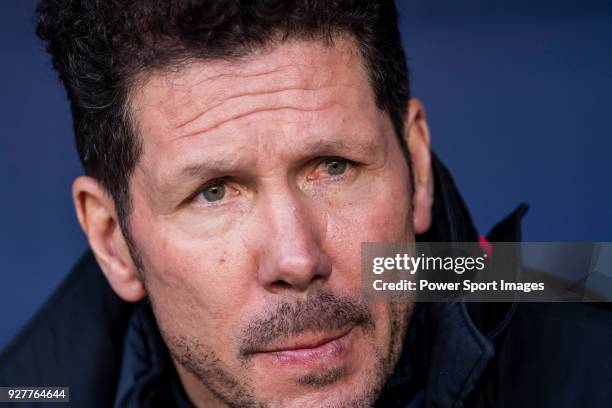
(333, 351)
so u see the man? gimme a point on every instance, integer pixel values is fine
(237, 154)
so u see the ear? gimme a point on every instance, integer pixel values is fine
(97, 215)
(416, 134)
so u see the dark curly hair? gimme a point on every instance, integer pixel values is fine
(98, 48)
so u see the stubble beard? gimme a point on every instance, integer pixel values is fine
(322, 310)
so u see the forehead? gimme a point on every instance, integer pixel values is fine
(199, 95)
(293, 94)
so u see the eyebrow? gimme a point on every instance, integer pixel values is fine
(320, 147)
(209, 166)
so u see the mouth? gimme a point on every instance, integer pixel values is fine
(310, 348)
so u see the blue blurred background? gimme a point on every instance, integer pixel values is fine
(518, 98)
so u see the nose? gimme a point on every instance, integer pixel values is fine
(291, 257)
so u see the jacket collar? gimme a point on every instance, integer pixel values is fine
(147, 377)
(448, 345)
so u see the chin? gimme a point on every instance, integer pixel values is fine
(349, 395)
(354, 385)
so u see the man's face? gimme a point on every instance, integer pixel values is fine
(258, 181)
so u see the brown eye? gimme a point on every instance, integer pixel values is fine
(335, 167)
(214, 193)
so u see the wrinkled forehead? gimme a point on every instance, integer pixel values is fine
(198, 95)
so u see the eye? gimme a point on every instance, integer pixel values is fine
(214, 192)
(335, 166)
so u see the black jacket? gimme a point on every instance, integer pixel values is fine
(475, 355)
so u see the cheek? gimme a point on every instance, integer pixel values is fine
(379, 212)
(386, 219)
(379, 209)
(197, 286)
